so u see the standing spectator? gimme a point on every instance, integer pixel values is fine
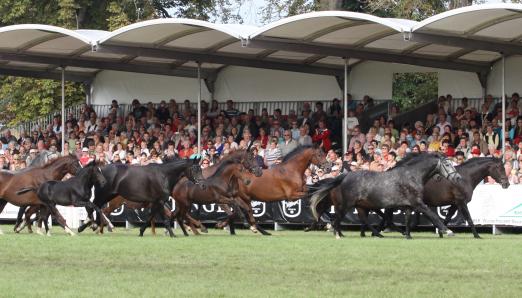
(322, 136)
(231, 111)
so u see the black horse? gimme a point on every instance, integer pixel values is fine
(76, 191)
(145, 184)
(441, 192)
(401, 187)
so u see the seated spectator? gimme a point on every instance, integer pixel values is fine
(288, 144)
(272, 154)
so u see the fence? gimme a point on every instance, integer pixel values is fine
(257, 107)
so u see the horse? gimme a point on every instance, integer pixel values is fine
(441, 192)
(400, 187)
(221, 187)
(283, 181)
(240, 156)
(10, 182)
(76, 191)
(150, 184)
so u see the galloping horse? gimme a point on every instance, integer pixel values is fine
(10, 182)
(282, 182)
(150, 184)
(400, 187)
(221, 188)
(441, 192)
(76, 191)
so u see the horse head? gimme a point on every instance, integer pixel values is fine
(319, 159)
(497, 171)
(96, 174)
(446, 169)
(249, 162)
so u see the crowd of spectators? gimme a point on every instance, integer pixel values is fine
(149, 134)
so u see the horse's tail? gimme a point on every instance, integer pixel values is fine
(25, 189)
(322, 189)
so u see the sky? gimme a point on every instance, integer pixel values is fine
(251, 8)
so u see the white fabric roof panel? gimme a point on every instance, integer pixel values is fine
(369, 36)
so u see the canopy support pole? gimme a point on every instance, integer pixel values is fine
(63, 110)
(199, 108)
(503, 105)
(345, 107)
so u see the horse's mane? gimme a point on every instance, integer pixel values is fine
(49, 163)
(222, 165)
(236, 155)
(298, 150)
(414, 158)
(475, 160)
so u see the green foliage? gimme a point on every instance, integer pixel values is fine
(411, 89)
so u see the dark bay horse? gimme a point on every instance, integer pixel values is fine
(150, 184)
(10, 182)
(400, 187)
(221, 187)
(284, 181)
(76, 191)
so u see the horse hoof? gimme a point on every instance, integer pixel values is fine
(450, 233)
(378, 235)
(1, 232)
(363, 235)
(477, 237)
(40, 232)
(408, 237)
(337, 237)
(253, 229)
(48, 234)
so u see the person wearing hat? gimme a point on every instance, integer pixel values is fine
(85, 158)
(475, 152)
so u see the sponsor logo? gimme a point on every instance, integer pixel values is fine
(292, 209)
(514, 212)
(258, 208)
(443, 212)
(213, 208)
(118, 211)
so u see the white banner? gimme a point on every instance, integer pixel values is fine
(72, 215)
(492, 205)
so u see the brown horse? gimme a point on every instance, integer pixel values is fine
(221, 187)
(11, 182)
(284, 181)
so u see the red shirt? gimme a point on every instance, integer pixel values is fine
(323, 138)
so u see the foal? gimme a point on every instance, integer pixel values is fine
(75, 191)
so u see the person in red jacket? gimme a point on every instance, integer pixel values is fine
(322, 136)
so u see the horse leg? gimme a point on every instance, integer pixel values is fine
(21, 212)
(2, 206)
(465, 212)
(166, 219)
(59, 218)
(407, 223)
(434, 219)
(182, 213)
(90, 220)
(29, 211)
(44, 215)
(339, 215)
(196, 223)
(363, 216)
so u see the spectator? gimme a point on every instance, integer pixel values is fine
(288, 143)
(322, 136)
(272, 154)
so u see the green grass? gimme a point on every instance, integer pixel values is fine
(287, 264)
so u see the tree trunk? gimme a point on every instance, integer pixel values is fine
(460, 3)
(330, 4)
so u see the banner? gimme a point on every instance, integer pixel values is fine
(491, 205)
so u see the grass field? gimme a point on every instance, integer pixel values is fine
(287, 264)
